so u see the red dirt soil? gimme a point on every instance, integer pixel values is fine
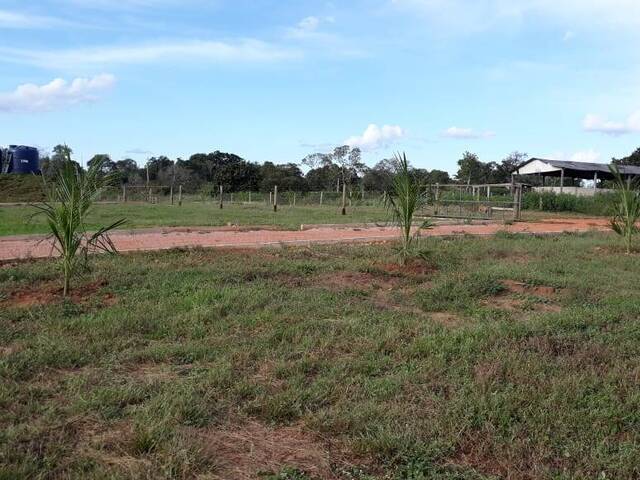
(25, 247)
(49, 293)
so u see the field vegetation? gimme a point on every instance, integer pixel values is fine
(513, 357)
(19, 220)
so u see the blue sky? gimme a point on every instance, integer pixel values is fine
(278, 79)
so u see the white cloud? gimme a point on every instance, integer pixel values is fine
(466, 134)
(122, 4)
(139, 151)
(475, 15)
(375, 137)
(17, 20)
(586, 156)
(240, 51)
(595, 123)
(589, 156)
(56, 94)
(309, 29)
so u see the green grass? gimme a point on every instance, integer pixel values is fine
(19, 220)
(177, 361)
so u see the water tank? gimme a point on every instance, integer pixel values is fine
(25, 159)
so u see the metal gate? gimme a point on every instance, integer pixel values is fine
(500, 201)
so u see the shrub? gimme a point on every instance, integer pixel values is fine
(600, 204)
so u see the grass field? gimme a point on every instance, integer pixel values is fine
(514, 357)
(17, 220)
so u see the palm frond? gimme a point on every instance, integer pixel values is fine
(406, 198)
(626, 213)
(69, 201)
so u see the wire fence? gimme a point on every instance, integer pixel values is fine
(471, 202)
(161, 194)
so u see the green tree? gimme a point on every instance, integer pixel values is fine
(472, 171)
(508, 165)
(128, 171)
(107, 165)
(380, 177)
(286, 177)
(633, 159)
(59, 156)
(347, 160)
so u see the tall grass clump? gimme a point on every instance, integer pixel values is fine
(68, 204)
(627, 207)
(599, 204)
(408, 196)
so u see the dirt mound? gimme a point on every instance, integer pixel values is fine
(543, 291)
(51, 293)
(413, 268)
(511, 298)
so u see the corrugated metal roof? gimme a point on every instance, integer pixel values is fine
(586, 166)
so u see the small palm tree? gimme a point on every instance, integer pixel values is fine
(627, 207)
(407, 197)
(69, 202)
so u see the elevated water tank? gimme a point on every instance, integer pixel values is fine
(24, 159)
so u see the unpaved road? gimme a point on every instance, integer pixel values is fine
(25, 247)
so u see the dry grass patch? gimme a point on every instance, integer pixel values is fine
(246, 450)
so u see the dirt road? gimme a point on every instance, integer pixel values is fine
(24, 247)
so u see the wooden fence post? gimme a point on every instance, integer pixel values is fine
(321, 195)
(221, 199)
(275, 198)
(124, 194)
(294, 199)
(344, 199)
(180, 196)
(171, 194)
(249, 197)
(270, 198)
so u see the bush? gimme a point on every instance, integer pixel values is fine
(599, 204)
(21, 188)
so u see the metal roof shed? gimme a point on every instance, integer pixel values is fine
(562, 168)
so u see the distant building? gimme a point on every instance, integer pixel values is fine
(544, 168)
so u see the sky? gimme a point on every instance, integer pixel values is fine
(275, 80)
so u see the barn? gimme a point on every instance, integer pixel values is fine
(543, 168)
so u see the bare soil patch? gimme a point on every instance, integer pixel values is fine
(413, 268)
(543, 291)
(51, 293)
(512, 298)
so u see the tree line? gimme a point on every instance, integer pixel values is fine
(325, 171)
